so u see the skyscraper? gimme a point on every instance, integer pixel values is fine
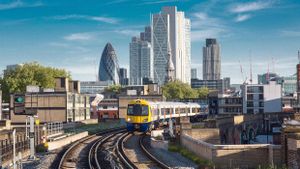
(146, 36)
(211, 60)
(141, 58)
(171, 26)
(109, 67)
(194, 73)
(123, 77)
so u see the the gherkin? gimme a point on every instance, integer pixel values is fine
(109, 67)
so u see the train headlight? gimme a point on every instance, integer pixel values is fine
(145, 120)
(128, 119)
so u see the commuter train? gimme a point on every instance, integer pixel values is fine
(144, 116)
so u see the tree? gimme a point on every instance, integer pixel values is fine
(32, 73)
(178, 90)
(114, 89)
(202, 92)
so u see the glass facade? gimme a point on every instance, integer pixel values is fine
(109, 67)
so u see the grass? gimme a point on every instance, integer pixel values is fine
(94, 128)
(173, 147)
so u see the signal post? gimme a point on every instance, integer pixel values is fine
(21, 109)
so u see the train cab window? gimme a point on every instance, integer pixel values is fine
(137, 110)
(130, 110)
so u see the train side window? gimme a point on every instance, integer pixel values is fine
(145, 110)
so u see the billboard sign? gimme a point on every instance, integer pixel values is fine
(32, 89)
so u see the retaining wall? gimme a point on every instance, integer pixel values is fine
(67, 140)
(229, 156)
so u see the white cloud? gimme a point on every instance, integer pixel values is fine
(79, 37)
(127, 32)
(241, 18)
(201, 35)
(109, 20)
(252, 6)
(290, 33)
(18, 4)
(204, 26)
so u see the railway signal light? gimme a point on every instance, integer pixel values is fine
(19, 99)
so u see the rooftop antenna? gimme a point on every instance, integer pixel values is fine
(250, 80)
(241, 69)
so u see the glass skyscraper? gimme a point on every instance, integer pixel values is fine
(109, 67)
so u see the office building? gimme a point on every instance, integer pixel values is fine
(141, 58)
(194, 73)
(266, 77)
(211, 60)
(224, 104)
(64, 103)
(221, 85)
(262, 98)
(146, 36)
(109, 66)
(94, 87)
(11, 68)
(123, 77)
(289, 85)
(171, 26)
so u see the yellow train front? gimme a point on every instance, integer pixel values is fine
(139, 116)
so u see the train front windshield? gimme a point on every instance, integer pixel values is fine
(137, 110)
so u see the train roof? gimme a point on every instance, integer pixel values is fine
(176, 104)
(166, 104)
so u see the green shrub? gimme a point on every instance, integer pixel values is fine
(184, 152)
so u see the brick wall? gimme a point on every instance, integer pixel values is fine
(208, 135)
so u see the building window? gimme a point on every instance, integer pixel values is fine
(63, 83)
(261, 97)
(249, 111)
(249, 96)
(249, 104)
(261, 104)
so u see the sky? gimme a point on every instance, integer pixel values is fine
(72, 34)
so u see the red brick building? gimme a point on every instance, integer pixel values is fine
(108, 109)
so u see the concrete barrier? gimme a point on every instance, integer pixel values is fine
(90, 121)
(67, 140)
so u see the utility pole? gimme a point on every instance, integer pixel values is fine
(31, 137)
(14, 149)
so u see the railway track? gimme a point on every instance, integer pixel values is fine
(137, 153)
(76, 155)
(108, 149)
(149, 155)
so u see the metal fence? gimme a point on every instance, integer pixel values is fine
(54, 127)
(6, 147)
